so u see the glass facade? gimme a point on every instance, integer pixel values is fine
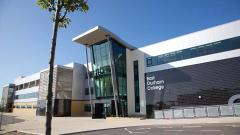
(119, 57)
(211, 48)
(136, 86)
(102, 72)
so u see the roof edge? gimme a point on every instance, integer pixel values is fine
(105, 32)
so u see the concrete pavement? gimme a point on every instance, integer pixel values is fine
(63, 125)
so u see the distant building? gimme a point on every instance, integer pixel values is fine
(70, 92)
(26, 93)
(8, 97)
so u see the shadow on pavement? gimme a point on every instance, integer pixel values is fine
(7, 119)
(17, 133)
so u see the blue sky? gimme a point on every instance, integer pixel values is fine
(25, 29)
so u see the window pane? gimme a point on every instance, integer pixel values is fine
(210, 48)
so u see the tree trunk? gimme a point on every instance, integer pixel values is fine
(51, 70)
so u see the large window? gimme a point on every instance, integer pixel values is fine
(136, 86)
(28, 85)
(102, 72)
(211, 48)
(119, 57)
(37, 82)
(28, 95)
(101, 69)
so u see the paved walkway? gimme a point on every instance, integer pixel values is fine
(62, 125)
(196, 129)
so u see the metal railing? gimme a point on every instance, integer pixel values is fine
(199, 112)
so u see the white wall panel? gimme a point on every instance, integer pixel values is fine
(22, 80)
(25, 100)
(221, 32)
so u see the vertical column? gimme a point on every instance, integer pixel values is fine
(136, 86)
(89, 87)
(91, 53)
(113, 75)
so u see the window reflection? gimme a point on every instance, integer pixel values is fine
(102, 72)
(215, 47)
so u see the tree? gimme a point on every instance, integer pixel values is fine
(59, 10)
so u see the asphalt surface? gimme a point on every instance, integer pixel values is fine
(200, 129)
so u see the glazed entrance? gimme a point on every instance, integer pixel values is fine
(109, 75)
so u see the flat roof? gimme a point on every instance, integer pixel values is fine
(98, 34)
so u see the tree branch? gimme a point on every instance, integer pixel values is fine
(52, 5)
(64, 15)
(58, 11)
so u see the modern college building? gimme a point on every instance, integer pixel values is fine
(70, 91)
(27, 95)
(194, 75)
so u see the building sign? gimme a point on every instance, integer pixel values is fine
(153, 84)
(102, 71)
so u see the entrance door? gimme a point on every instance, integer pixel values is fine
(99, 111)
